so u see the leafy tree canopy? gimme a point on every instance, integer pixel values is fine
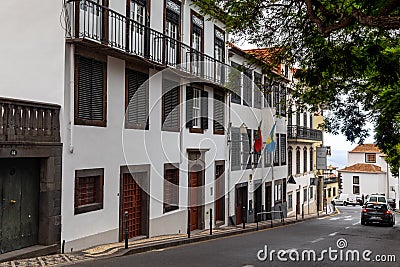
(348, 53)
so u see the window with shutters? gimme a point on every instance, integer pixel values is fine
(196, 109)
(88, 190)
(171, 187)
(248, 88)
(197, 27)
(282, 102)
(136, 100)
(219, 54)
(267, 93)
(283, 148)
(246, 144)
(290, 161)
(297, 160)
(305, 161)
(90, 92)
(257, 90)
(172, 28)
(311, 121)
(311, 159)
(267, 158)
(219, 112)
(277, 148)
(305, 119)
(235, 83)
(235, 148)
(290, 116)
(276, 98)
(297, 118)
(170, 105)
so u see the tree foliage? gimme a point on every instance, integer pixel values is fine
(347, 51)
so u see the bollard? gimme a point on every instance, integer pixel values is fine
(126, 230)
(281, 213)
(211, 217)
(297, 208)
(188, 223)
(257, 221)
(302, 211)
(272, 225)
(244, 217)
(63, 247)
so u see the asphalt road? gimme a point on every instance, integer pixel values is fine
(295, 240)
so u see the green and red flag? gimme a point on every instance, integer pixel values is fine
(258, 140)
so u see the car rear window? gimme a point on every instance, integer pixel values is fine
(379, 207)
(381, 199)
(372, 199)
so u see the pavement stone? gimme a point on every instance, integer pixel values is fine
(147, 244)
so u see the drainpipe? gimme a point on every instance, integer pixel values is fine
(229, 144)
(71, 97)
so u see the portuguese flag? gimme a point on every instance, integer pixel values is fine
(258, 140)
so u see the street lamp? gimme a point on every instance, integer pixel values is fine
(243, 128)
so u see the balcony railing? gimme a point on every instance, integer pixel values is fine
(25, 121)
(301, 132)
(94, 22)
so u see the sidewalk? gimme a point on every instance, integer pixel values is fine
(153, 243)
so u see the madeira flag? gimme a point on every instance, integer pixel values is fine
(270, 144)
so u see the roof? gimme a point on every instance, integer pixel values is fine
(363, 167)
(366, 148)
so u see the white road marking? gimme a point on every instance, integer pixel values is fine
(335, 233)
(348, 216)
(356, 223)
(349, 219)
(317, 240)
(347, 227)
(322, 218)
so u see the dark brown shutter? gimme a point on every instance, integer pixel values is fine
(189, 107)
(137, 110)
(204, 110)
(91, 89)
(235, 79)
(219, 106)
(170, 104)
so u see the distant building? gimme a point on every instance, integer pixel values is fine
(368, 173)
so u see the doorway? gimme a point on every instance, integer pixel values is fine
(257, 201)
(241, 203)
(298, 202)
(219, 193)
(19, 203)
(268, 199)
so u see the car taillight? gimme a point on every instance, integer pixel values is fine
(388, 212)
(364, 210)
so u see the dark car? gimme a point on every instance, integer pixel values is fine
(392, 203)
(377, 213)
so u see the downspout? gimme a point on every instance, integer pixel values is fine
(71, 97)
(229, 144)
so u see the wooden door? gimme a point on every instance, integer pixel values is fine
(132, 201)
(194, 205)
(219, 193)
(19, 206)
(298, 202)
(241, 204)
(268, 200)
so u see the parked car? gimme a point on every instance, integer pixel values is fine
(377, 198)
(377, 213)
(392, 203)
(345, 199)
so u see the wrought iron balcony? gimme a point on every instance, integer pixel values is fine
(26, 121)
(99, 24)
(301, 132)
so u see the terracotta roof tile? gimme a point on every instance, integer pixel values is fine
(372, 148)
(363, 167)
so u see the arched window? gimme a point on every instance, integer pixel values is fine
(290, 160)
(305, 161)
(311, 159)
(305, 119)
(298, 160)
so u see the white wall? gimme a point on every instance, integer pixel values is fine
(370, 183)
(32, 58)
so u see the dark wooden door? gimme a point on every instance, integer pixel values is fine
(194, 205)
(241, 204)
(132, 200)
(219, 193)
(258, 201)
(268, 200)
(298, 202)
(19, 206)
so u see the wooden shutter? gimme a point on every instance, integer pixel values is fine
(283, 148)
(90, 103)
(189, 107)
(246, 159)
(276, 153)
(247, 88)
(219, 112)
(235, 83)
(170, 105)
(283, 101)
(257, 90)
(235, 143)
(137, 99)
(276, 98)
(204, 110)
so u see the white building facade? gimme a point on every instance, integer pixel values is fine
(368, 173)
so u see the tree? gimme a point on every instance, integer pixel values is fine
(347, 52)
